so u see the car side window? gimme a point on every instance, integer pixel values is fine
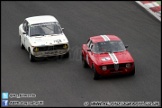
(25, 26)
(89, 43)
(93, 48)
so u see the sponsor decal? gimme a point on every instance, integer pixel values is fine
(57, 41)
(105, 59)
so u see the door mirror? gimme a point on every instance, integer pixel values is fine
(88, 49)
(126, 46)
(24, 32)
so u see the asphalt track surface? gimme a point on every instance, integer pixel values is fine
(64, 82)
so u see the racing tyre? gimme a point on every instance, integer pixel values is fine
(21, 44)
(85, 65)
(66, 55)
(133, 72)
(96, 75)
(31, 57)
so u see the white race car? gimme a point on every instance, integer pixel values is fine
(42, 36)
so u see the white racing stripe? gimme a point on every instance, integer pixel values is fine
(112, 55)
(105, 37)
(114, 58)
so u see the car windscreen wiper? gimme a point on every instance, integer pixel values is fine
(118, 51)
(54, 34)
(37, 35)
(106, 52)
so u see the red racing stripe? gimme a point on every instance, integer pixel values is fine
(145, 2)
(156, 9)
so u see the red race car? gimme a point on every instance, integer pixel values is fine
(107, 55)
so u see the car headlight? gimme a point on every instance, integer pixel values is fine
(36, 49)
(104, 68)
(128, 65)
(65, 46)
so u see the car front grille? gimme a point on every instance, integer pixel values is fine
(112, 66)
(50, 48)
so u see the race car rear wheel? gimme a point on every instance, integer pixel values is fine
(96, 75)
(31, 57)
(85, 65)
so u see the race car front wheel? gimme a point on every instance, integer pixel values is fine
(66, 55)
(85, 65)
(96, 75)
(31, 57)
(133, 72)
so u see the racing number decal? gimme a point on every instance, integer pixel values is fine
(57, 41)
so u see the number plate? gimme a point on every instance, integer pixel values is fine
(49, 52)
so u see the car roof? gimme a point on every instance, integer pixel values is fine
(100, 38)
(41, 19)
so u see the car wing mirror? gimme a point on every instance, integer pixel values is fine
(126, 46)
(24, 32)
(88, 49)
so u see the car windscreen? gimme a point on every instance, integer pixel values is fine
(109, 46)
(45, 29)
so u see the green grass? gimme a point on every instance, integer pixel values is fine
(159, 2)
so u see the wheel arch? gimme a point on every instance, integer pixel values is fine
(29, 49)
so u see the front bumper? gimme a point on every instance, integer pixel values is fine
(50, 53)
(112, 71)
